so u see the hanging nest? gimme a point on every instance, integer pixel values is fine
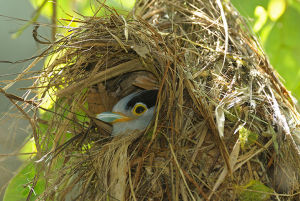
(225, 126)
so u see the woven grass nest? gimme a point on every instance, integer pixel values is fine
(225, 126)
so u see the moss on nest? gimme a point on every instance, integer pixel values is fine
(214, 82)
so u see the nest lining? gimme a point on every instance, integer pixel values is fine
(214, 82)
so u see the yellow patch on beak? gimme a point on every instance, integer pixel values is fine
(113, 117)
(123, 118)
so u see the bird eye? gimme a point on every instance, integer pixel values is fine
(139, 109)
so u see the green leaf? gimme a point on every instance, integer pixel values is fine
(29, 147)
(19, 187)
(68, 9)
(45, 6)
(122, 6)
(247, 137)
(255, 190)
(247, 8)
(283, 47)
(262, 17)
(265, 31)
(276, 8)
(295, 4)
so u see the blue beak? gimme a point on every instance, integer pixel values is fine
(112, 117)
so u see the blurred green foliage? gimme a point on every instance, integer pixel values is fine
(67, 9)
(70, 10)
(20, 186)
(275, 22)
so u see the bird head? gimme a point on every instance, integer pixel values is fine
(133, 112)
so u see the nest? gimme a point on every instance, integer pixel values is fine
(225, 126)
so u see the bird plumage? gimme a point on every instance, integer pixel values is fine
(133, 112)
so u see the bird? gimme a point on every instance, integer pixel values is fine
(133, 112)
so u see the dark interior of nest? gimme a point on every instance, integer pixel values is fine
(207, 100)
